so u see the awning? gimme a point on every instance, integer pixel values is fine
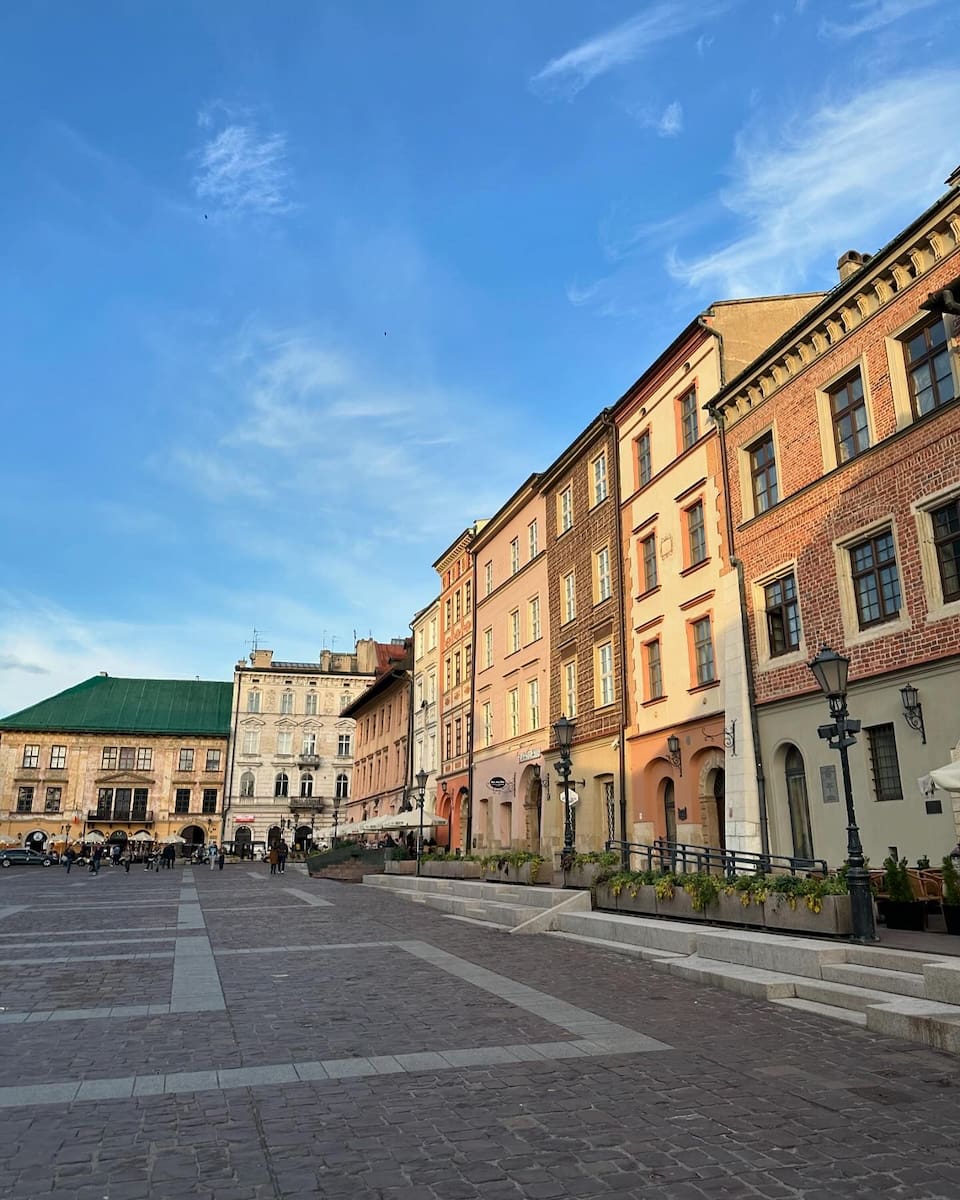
(93, 835)
(947, 777)
(402, 820)
(142, 836)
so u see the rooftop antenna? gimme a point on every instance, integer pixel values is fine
(323, 641)
(254, 644)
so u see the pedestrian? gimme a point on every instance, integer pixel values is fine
(274, 857)
(212, 854)
(284, 850)
(169, 855)
(71, 857)
(128, 859)
(95, 860)
(115, 852)
(220, 858)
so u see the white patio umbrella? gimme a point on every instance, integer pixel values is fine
(142, 836)
(947, 777)
(94, 836)
(176, 838)
(407, 820)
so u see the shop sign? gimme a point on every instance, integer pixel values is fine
(244, 820)
(527, 755)
(498, 782)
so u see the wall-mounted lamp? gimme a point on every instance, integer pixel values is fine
(673, 752)
(681, 814)
(729, 737)
(913, 710)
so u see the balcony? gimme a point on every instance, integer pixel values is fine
(309, 760)
(143, 817)
(306, 804)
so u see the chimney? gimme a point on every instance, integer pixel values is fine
(261, 658)
(850, 263)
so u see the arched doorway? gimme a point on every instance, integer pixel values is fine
(798, 804)
(274, 835)
(241, 842)
(720, 806)
(117, 838)
(193, 836)
(670, 810)
(36, 839)
(302, 837)
(533, 810)
(442, 832)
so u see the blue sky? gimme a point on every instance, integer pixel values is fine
(291, 293)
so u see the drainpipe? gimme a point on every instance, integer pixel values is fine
(228, 789)
(622, 618)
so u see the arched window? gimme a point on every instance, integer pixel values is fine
(306, 784)
(281, 786)
(343, 787)
(798, 804)
(246, 783)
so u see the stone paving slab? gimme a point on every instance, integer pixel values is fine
(284, 1092)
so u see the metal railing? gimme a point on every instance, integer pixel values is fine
(682, 859)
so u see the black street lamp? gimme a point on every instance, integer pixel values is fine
(830, 671)
(336, 820)
(563, 729)
(421, 796)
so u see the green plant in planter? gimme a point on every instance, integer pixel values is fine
(897, 881)
(792, 889)
(703, 889)
(665, 886)
(923, 863)
(951, 882)
(597, 858)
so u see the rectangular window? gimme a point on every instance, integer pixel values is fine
(213, 760)
(251, 741)
(285, 742)
(533, 619)
(569, 597)
(696, 534)
(467, 660)
(128, 758)
(876, 579)
(185, 761)
(108, 759)
(104, 803)
(52, 802)
(457, 601)
(703, 651)
(487, 578)
(566, 509)
(432, 634)
(58, 758)
(447, 613)
(513, 712)
(654, 670)
(644, 460)
(763, 474)
(848, 412)
(600, 478)
(884, 763)
(604, 589)
(488, 647)
(286, 703)
(570, 687)
(448, 741)
(783, 615)
(144, 758)
(486, 723)
(605, 673)
(533, 540)
(121, 804)
(689, 419)
(31, 756)
(447, 673)
(309, 746)
(139, 810)
(648, 562)
(456, 667)
(928, 367)
(946, 539)
(24, 799)
(458, 737)
(467, 596)
(253, 702)
(181, 800)
(514, 556)
(514, 630)
(310, 704)
(209, 801)
(344, 748)
(533, 703)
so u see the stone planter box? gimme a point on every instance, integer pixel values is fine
(644, 903)
(680, 907)
(451, 870)
(518, 875)
(833, 918)
(403, 867)
(582, 877)
(731, 911)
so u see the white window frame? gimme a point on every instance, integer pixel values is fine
(285, 743)
(514, 631)
(569, 670)
(565, 509)
(533, 619)
(568, 597)
(253, 701)
(310, 704)
(533, 539)
(251, 741)
(286, 704)
(514, 555)
(513, 712)
(601, 571)
(488, 646)
(533, 704)
(488, 578)
(605, 689)
(599, 478)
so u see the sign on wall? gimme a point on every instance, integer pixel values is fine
(828, 785)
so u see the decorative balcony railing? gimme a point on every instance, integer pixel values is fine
(136, 817)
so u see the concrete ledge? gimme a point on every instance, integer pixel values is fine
(931, 1024)
(769, 952)
(897, 983)
(941, 981)
(850, 1016)
(732, 977)
(546, 921)
(840, 995)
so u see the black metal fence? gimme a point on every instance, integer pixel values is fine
(681, 859)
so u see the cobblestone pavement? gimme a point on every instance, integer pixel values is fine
(232, 1035)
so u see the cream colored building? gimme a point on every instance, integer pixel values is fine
(425, 723)
(118, 760)
(291, 751)
(511, 675)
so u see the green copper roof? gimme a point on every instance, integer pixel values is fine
(107, 705)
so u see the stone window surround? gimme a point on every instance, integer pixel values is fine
(853, 635)
(897, 364)
(766, 661)
(745, 470)
(937, 608)
(828, 443)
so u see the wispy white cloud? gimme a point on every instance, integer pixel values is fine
(241, 169)
(666, 122)
(840, 177)
(869, 15)
(571, 72)
(703, 44)
(13, 662)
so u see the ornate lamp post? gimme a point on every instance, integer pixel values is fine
(830, 670)
(421, 796)
(336, 820)
(563, 729)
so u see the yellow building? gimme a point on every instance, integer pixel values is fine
(117, 759)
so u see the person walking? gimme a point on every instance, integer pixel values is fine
(212, 854)
(169, 854)
(283, 851)
(274, 857)
(128, 860)
(71, 858)
(95, 860)
(220, 859)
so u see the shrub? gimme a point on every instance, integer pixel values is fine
(951, 882)
(897, 881)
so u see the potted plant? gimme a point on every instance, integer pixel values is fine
(586, 868)
(951, 895)
(903, 910)
(627, 891)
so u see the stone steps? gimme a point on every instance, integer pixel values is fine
(900, 983)
(496, 905)
(848, 1015)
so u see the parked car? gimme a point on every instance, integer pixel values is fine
(25, 858)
